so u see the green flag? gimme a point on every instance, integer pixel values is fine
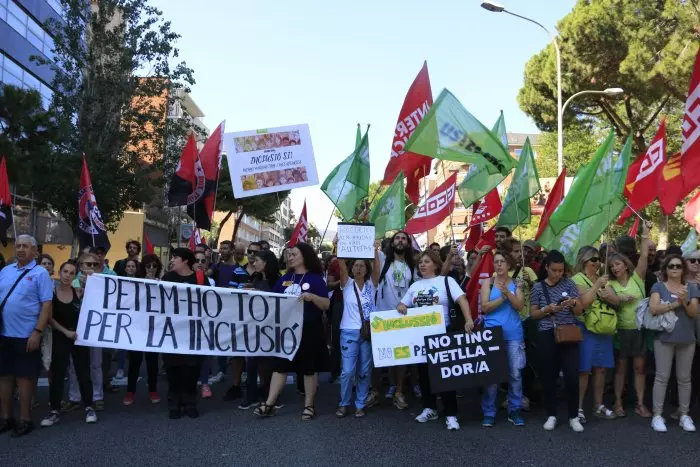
(690, 243)
(587, 231)
(577, 205)
(389, 212)
(449, 132)
(478, 182)
(348, 183)
(525, 185)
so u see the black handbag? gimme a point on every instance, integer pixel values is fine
(457, 320)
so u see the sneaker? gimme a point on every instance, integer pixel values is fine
(659, 424)
(488, 422)
(427, 415)
(233, 393)
(129, 399)
(417, 392)
(582, 416)
(605, 413)
(155, 398)
(525, 402)
(192, 412)
(24, 427)
(550, 424)
(50, 420)
(686, 423)
(575, 425)
(400, 401)
(452, 423)
(390, 393)
(90, 415)
(217, 378)
(69, 406)
(246, 404)
(206, 391)
(372, 400)
(515, 418)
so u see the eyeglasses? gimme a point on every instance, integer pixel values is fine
(201, 261)
(151, 266)
(252, 252)
(674, 266)
(693, 260)
(90, 264)
(595, 259)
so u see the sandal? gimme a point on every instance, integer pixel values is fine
(619, 411)
(264, 410)
(308, 413)
(341, 412)
(642, 411)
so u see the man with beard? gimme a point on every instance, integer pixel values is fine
(396, 276)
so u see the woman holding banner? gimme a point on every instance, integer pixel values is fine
(501, 303)
(433, 289)
(356, 351)
(304, 279)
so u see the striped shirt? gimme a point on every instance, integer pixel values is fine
(564, 288)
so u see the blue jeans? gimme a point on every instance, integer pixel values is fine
(356, 358)
(516, 362)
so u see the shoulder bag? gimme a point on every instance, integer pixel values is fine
(365, 332)
(457, 321)
(12, 289)
(563, 333)
(602, 321)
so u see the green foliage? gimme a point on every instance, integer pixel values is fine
(376, 190)
(580, 143)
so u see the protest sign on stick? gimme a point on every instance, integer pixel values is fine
(355, 240)
(152, 316)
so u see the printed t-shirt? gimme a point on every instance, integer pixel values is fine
(351, 314)
(428, 292)
(394, 285)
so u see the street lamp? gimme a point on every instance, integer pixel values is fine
(609, 92)
(498, 8)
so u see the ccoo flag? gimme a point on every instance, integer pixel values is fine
(435, 209)
(389, 212)
(348, 183)
(450, 132)
(525, 185)
(690, 149)
(91, 228)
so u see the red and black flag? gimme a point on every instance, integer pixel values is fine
(91, 228)
(5, 203)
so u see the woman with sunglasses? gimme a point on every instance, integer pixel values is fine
(150, 267)
(674, 294)
(626, 291)
(596, 350)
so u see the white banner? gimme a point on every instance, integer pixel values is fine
(355, 240)
(154, 316)
(270, 160)
(400, 339)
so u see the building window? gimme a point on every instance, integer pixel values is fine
(27, 27)
(56, 6)
(14, 74)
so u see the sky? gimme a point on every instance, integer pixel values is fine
(262, 64)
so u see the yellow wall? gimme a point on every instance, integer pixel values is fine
(130, 228)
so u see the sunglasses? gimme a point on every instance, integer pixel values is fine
(693, 260)
(595, 259)
(674, 266)
(90, 264)
(252, 252)
(151, 266)
(201, 261)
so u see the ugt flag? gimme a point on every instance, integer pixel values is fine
(435, 209)
(487, 208)
(690, 149)
(91, 228)
(5, 203)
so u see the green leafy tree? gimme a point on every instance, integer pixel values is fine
(376, 190)
(580, 143)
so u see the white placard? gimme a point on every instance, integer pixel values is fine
(400, 339)
(270, 160)
(156, 316)
(355, 240)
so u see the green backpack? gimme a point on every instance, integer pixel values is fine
(601, 319)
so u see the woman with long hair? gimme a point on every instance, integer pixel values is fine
(501, 303)
(626, 291)
(555, 302)
(303, 279)
(672, 293)
(433, 289)
(596, 349)
(150, 267)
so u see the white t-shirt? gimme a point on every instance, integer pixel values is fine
(427, 292)
(351, 313)
(394, 285)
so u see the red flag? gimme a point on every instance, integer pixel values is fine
(5, 203)
(435, 209)
(91, 228)
(299, 234)
(642, 185)
(210, 154)
(195, 239)
(692, 211)
(671, 189)
(188, 182)
(415, 166)
(690, 149)
(148, 245)
(634, 229)
(482, 272)
(475, 233)
(489, 207)
(553, 201)
(488, 239)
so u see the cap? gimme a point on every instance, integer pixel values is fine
(531, 244)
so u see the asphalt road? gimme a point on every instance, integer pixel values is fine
(224, 435)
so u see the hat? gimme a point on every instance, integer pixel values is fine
(531, 244)
(626, 245)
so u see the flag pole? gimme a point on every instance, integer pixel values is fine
(12, 212)
(633, 210)
(450, 211)
(425, 203)
(92, 229)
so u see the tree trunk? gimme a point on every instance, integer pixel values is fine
(663, 233)
(235, 227)
(221, 226)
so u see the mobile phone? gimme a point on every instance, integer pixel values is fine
(562, 300)
(516, 272)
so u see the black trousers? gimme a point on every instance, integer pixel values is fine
(449, 399)
(182, 385)
(554, 358)
(135, 359)
(62, 349)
